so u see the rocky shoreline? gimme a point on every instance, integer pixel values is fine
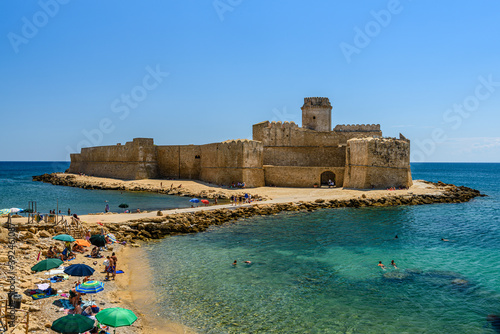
(71, 180)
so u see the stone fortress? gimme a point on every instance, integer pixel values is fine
(280, 154)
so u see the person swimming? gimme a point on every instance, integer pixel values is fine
(394, 264)
(381, 265)
(235, 263)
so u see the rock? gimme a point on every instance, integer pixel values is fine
(34, 308)
(4, 258)
(44, 234)
(396, 275)
(159, 213)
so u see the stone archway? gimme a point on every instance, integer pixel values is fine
(326, 177)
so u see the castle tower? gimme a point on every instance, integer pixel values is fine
(317, 114)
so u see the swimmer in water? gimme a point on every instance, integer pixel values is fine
(381, 265)
(444, 239)
(394, 264)
(248, 262)
(234, 263)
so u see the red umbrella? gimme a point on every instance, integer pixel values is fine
(205, 201)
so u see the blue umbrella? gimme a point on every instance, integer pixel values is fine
(90, 287)
(194, 200)
(79, 270)
(64, 237)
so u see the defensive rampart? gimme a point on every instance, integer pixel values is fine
(233, 161)
(378, 163)
(134, 160)
(302, 177)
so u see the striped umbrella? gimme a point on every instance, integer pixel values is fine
(111, 237)
(90, 287)
(11, 210)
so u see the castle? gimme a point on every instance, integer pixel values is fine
(280, 154)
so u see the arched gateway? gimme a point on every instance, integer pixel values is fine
(326, 177)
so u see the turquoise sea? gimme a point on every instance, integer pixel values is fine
(317, 272)
(17, 189)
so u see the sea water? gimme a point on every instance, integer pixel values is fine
(17, 189)
(317, 272)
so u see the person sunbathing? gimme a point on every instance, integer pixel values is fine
(78, 248)
(95, 252)
(50, 253)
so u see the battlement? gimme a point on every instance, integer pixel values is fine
(316, 102)
(357, 127)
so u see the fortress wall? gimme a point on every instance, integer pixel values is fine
(134, 160)
(231, 162)
(190, 161)
(378, 163)
(305, 156)
(358, 128)
(289, 134)
(300, 177)
(168, 161)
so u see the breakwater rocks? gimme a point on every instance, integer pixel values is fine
(193, 222)
(70, 180)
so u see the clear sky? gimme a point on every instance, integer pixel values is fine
(87, 73)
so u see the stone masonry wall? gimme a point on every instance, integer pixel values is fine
(378, 163)
(231, 162)
(134, 160)
(300, 177)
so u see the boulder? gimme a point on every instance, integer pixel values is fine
(44, 234)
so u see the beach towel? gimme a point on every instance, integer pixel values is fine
(120, 272)
(42, 295)
(64, 303)
(98, 257)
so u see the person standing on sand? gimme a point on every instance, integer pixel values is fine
(115, 260)
(110, 268)
(69, 212)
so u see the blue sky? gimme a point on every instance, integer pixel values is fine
(79, 73)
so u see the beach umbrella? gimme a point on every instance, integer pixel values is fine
(64, 237)
(98, 240)
(90, 287)
(47, 264)
(111, 237)
(194, 200)
(79, 269)
(73, 323)
(116, 317)
(82, 242)
(205, 201)
(11, 210)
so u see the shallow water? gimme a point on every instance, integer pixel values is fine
(17, 189)
(317, 272)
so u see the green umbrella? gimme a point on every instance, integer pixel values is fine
(47, 264)
(64, 237)
(116, 317)
(98, 240)
(72, 323)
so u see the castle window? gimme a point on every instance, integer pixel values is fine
(314, 117)
(197, 157)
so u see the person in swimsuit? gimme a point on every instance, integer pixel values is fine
(394, 264)
(381, 265)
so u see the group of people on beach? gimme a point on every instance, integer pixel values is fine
(242, 199)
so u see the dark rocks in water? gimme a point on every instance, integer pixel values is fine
(414, 271)
(494, 320)
(397, 275)
(450, 275)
